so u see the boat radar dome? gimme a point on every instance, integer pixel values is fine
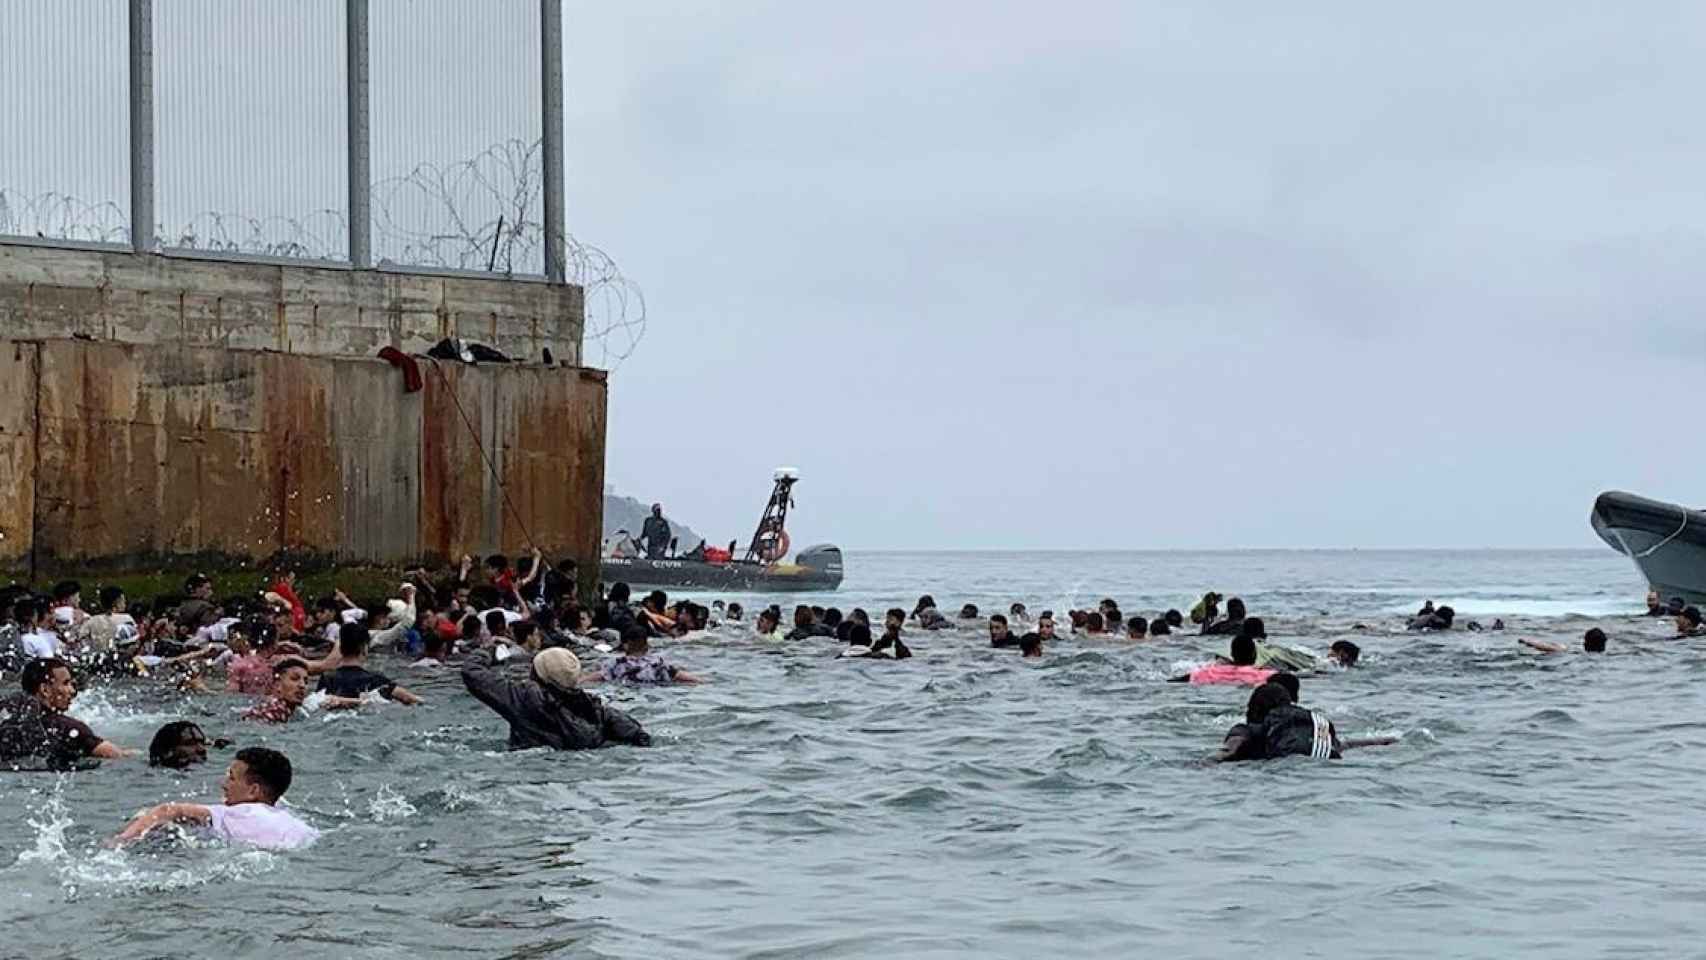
(787, 473)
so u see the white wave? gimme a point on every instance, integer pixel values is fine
(388, 804)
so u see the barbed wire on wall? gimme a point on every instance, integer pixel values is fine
(478, 214)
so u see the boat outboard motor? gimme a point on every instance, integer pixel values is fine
(825, 557)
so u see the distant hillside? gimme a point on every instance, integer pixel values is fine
(626, 513)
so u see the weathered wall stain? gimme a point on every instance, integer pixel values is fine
(116, 453)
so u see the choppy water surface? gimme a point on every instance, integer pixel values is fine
(962, 803)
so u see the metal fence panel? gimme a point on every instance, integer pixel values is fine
(251, 126)
(64, 122)
(457, 165)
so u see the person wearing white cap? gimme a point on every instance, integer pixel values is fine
(549, 709)
(402, 617)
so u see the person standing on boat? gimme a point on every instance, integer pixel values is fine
(655, 535)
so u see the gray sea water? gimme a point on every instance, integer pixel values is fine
(963, 803)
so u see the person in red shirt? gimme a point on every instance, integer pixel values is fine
(499, 572)
(285, 587)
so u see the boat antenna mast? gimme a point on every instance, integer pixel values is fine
(770, 541)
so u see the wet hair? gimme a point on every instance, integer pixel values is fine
(65, 590)
(619, 593)
(1093, 622)
(998, 618)
(39, 671)
(27, 610)
(266, 768)
(1160, 628)
(1675, 605)
(110, 596)
(1254, 628)
(1243, 651)
(1137, 625)
(1017, 610)
(1078, 618)
(844, 630)
(657, 600)
(1029, 643)
(1235, 608)
(860, 616)
(1263, 699)
(896, 613)
(859, 636)
(771, 614)
(832, 617)
(1174, 618)
(1691, 614)
(1445, 613)
(802, 616)
(470, 627)
(1348, 652)
(1594, 640)
(634, 636)
(167, 738)
(734, 610)
(968, 612)
(924, 601)
(353, 639)
(496, 622)
(1289, 682)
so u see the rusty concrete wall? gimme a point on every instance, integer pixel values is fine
(119, 454)
(55, 292)
(17, 452)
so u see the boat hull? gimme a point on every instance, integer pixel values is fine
(1667, 542)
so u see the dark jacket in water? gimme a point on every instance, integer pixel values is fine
(542, 716)
(1286, 731)
(1223, 628)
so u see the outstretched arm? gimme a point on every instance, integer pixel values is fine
(1369, 742)
(164, 813)
(1540, 645)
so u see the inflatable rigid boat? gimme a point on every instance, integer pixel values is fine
(1666, 541)
(762, 568)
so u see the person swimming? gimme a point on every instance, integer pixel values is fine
(254, 783)
(549, 709)
(1592, 642)
(1231, 624)
(1000, 634)
(1688, 622)
(1275, 726)
(1241, 671)
(178, 745)
(1438, 619)
(1344, 653)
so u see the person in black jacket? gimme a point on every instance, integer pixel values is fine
(550, 709)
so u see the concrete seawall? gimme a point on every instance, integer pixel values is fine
(53, 292)
(135, 434)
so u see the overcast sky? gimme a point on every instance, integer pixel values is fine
(1134, 275)
(1069, 275)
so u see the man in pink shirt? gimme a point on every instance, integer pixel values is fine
(250, 814)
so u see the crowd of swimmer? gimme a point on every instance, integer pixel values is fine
(518, 636)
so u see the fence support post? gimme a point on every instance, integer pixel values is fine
(551, 84)
(359, 135)
(142, 125)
